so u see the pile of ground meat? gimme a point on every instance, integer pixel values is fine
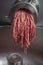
(23, 29)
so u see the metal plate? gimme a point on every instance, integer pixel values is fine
(35, 52)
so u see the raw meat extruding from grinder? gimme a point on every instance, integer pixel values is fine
(24, 17)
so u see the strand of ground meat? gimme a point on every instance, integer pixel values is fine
(23, 29)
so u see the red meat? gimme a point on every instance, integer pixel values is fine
(23, 29)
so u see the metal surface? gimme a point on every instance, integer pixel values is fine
(35, 52)
(5, 21)
(28, 60)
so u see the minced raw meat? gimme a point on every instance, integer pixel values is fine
(23, 29)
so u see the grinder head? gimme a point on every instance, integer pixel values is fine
(31, 5)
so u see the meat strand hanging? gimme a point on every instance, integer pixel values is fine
(23, 29)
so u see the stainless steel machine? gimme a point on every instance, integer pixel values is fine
(8, 53)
